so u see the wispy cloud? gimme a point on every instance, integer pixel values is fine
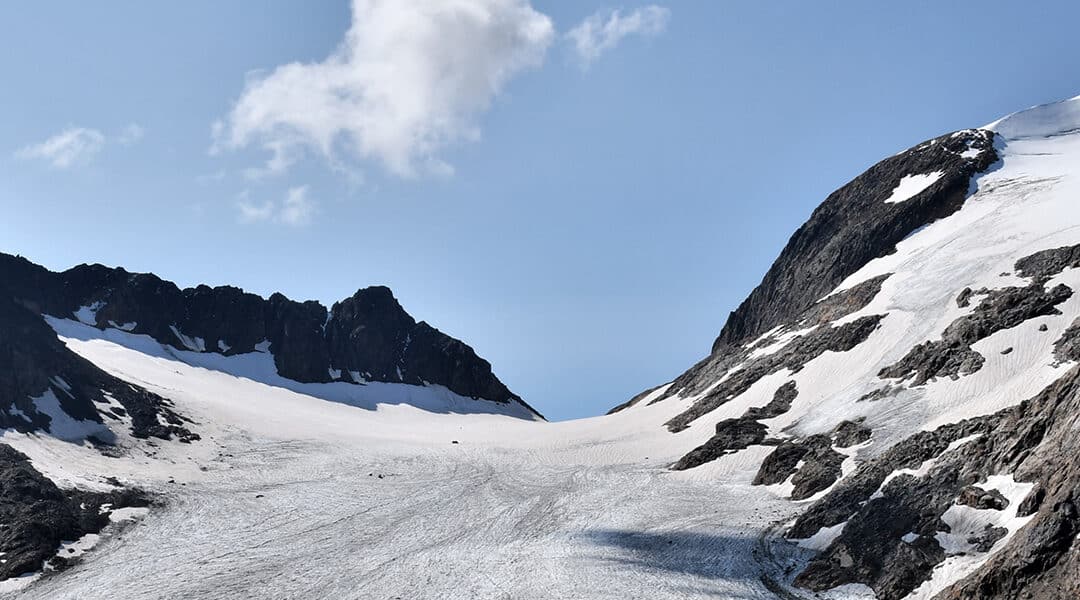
(296, 209)
(77, 145)
(603, 31)
(131, 134)
(70, 147)
(409, 79)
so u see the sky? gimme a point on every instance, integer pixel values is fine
(581, 190)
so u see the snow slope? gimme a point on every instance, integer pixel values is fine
(289, 495)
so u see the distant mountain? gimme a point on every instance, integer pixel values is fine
(366, 338)
(908, 363)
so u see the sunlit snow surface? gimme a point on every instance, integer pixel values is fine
(283, 496)
(912, 185)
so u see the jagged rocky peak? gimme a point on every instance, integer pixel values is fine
(366, 338)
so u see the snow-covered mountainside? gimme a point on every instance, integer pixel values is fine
(906, 370)
(892, 413)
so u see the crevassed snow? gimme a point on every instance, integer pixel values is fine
(912, 185)
(522, 508)
(1040, 121)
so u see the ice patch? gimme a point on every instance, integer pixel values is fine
(821, 540)
(124, 326)
(195, 344)
(77, 548)
(87, 315)
(912, 185)
(131, 513)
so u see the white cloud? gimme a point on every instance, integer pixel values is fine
(409, 79)
(78, 145)
(70, 147)
(599, 33)
(131, 134)
(296, 209)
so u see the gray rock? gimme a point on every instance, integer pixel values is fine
(952, 355)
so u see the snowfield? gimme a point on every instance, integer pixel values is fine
(291, 496)
(393, 491)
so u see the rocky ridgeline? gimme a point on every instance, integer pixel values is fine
(368, 337)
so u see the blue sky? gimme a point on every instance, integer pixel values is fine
(583, 208)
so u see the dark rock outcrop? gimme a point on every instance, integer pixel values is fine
(1043, 265)
(737, 434)
(1067, 347)
(37, 515)
(812, 463)
(780, 403)
(731, 435)
(952, 356)
(34, 362)
(976, 497)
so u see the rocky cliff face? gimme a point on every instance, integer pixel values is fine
(908, 365)
(368, 337)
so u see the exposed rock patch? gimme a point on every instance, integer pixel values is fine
(737, 434)
(731, 435)
(1043, 265)
(952, 355)
(780, 403)
(812, 463)
(1034, 441)
(976, 497)
(37, 516)
(850, 433)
